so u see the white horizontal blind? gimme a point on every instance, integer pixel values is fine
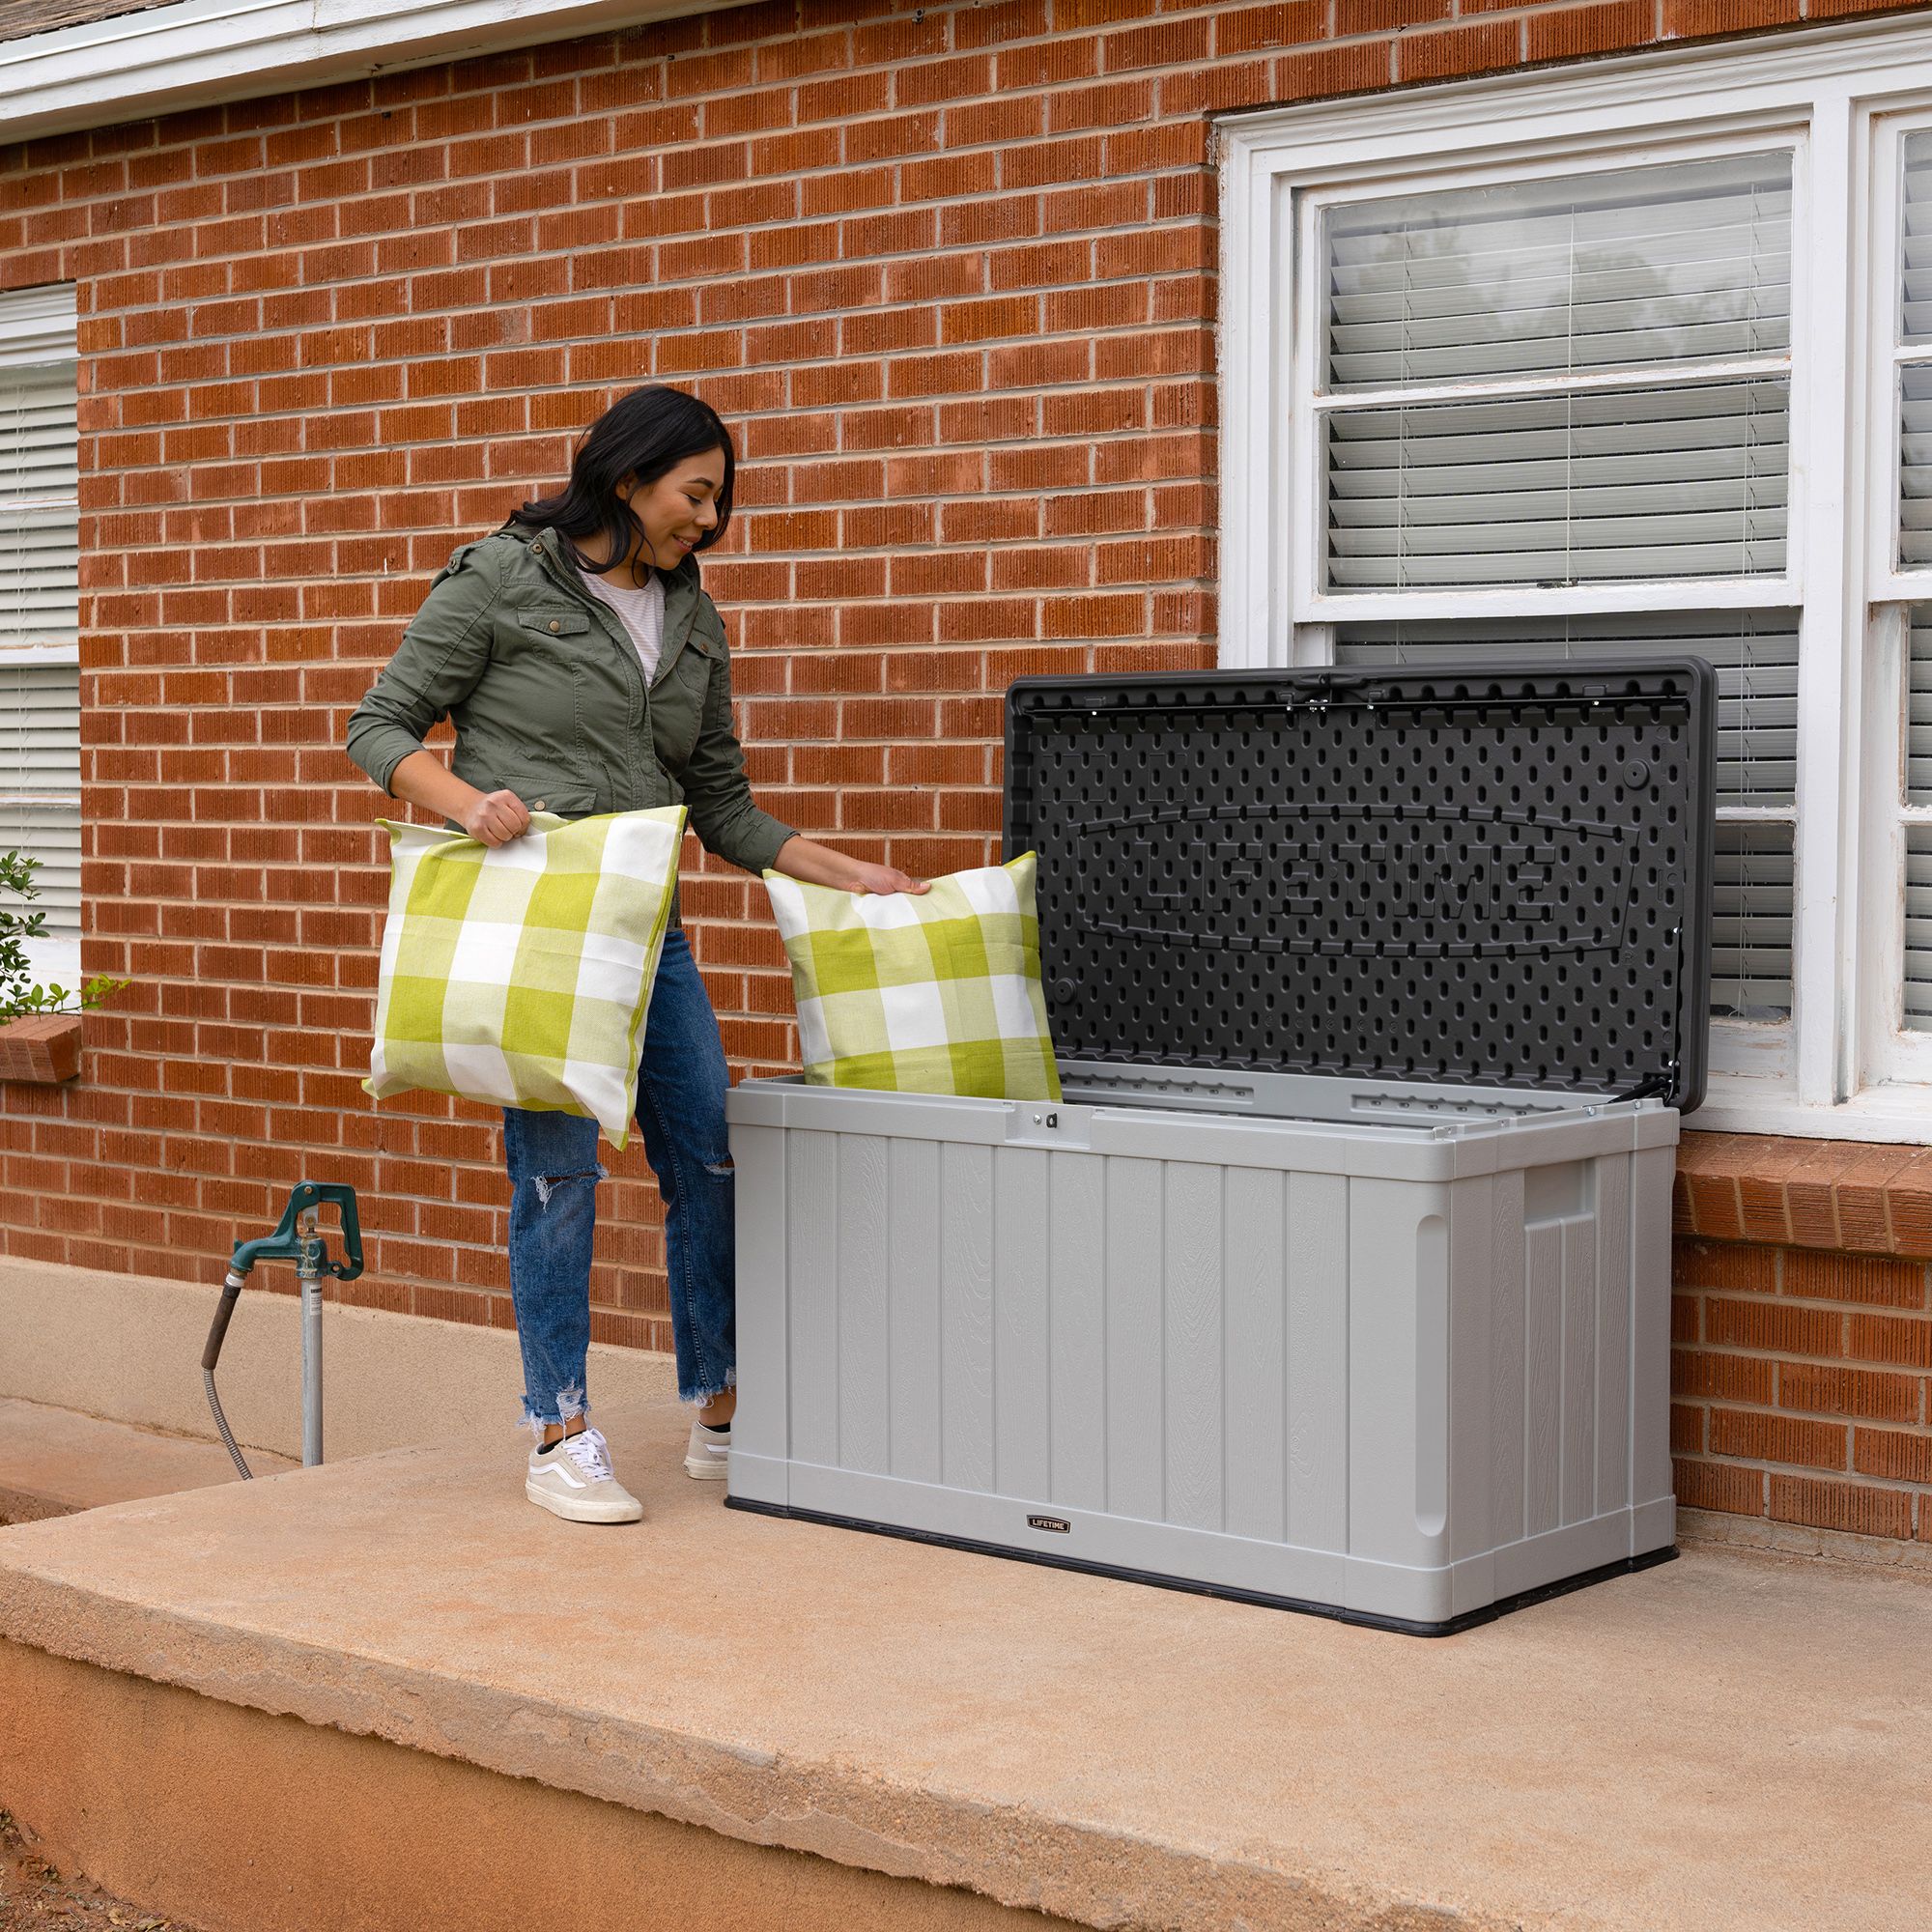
(1915, 329)
(1914, 465)
(1914, 551)
(1917, 1012)
(1755, 657)
(1581, 271)
(39, 783)
(1916, 1000)
(1918, 705)
(1665, 271)
(40, 543)
(1590, 487)
(39, 678)
(1754, 890)
(1914, 201)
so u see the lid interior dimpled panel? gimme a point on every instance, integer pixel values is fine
(1479, 875)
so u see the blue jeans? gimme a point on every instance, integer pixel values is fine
(554, 1175)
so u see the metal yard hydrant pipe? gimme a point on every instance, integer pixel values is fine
(309, 1270)
(297, 1238)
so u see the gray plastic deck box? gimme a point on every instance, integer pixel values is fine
(1282, 1300)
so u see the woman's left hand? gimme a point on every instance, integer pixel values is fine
(801, 858)
(867, 878)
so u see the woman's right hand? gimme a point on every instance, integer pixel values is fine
(495, 817)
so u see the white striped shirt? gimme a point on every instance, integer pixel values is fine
(642, 612)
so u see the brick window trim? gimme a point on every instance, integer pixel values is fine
(1855, 1196)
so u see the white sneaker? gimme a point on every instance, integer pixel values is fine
(707, 1456)
(573, 1480)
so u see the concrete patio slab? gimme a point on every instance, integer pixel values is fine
(54, 1461)
(1730, 1743)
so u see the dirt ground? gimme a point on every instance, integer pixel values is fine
(35, 1898)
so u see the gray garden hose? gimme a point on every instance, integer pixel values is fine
(231, 1293)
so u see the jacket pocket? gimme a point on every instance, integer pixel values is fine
(555, 620)
(569, 798)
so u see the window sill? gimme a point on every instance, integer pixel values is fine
(1892, 1114)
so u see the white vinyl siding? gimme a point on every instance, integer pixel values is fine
(39, 675)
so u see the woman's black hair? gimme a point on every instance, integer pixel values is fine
(646, 434)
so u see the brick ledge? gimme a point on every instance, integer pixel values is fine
(41, 1046)
(1850, 1195)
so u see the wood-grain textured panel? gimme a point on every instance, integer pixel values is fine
(1507, 1342)
(1255, 1296)
(1580, 1369)
(966, 1314)
(1614, 1332)
(913, 1344)
(1077, 1324)
(1136, 1450)
(763, 1229)
(1021, 1425)
(1543, 1372)
(1316, 1345)
(864, 1402)
(1194, 1386)
(812, 1182)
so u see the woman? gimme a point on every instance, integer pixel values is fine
(586, 672)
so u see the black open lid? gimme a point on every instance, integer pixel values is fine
(1495, 876)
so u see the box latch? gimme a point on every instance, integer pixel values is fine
(1049, 1124)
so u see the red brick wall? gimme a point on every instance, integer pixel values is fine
(1800, 1380)
(1802, 1330)
(949, 271)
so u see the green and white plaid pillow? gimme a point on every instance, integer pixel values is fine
(932, 992)
(520, 974)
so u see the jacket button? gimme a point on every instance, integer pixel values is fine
(554, 624)
(540, 805)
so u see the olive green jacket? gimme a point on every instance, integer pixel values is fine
(548, 695)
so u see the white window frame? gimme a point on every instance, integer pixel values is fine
(1841, 1066)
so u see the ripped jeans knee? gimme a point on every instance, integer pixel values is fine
(546, 1185)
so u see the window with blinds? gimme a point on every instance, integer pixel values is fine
(39, 676)
(1755, 656)
(1468, 437)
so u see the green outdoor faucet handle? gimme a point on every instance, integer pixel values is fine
(285, 1243)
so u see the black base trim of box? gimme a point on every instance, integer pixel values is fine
(1404, 1626)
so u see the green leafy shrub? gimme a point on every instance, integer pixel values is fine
(20, 994)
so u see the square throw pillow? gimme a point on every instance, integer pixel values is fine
(932, 992)
(520, 974)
